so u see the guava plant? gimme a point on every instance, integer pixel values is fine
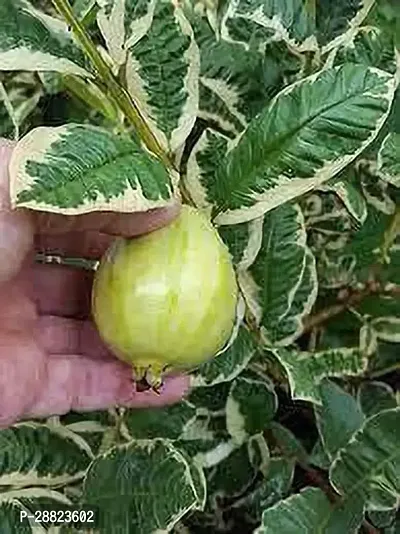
(279, 122)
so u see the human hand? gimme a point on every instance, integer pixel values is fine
(51, 358)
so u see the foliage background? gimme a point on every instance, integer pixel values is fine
(295, 428)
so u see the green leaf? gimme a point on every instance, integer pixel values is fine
(251, 405)
(76, 169)
(375, 397)
(162, 73)
(338, 418)
(33, 454)
(305, 370)
(389, 159)
(309, 133)
(229, 364)
(166, 422)
(33, 41)
(124, 484)
(370, 463)
(280, 299)
(309, 512)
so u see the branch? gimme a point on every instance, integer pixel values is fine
(349, 299)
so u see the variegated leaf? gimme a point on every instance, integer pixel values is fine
(369, 45)
(338, 22)
(310, 132)
(251, 404)
(162, 73)
(33, 454)
(369, 464)
(123, 485)
(348, 188)
(33, 41)
(76, 169)
(279, 299)
(387, 328)
(20, 93)
(266, 21)
(305, 370)
(169, 422)
(352, 199)
(389, 159)
(310, 512)
(237, 82)
(338, 418)
(18, 508)
(202, 165)
(227, 365)
(244, 241)
(123, 23)
(373, 397)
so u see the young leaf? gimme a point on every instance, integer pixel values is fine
(76, 169)
(305, 370)
(33, 454)
(229, 364)
(124, 484)
(310, 132)
(389, 159)
(279, 300)
(370, 463)
(33, 41)
(162, 73)
(338, 418)
(251, 405)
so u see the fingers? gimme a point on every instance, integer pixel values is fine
(90, 235)
(16, 231)
(60, 290)
(22, 372)
(59, 335)
(83, 384)
(111, 223)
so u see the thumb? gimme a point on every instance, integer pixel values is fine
(16, 231)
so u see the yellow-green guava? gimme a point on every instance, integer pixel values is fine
(166, 301)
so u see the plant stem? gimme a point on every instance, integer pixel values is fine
(123, 99)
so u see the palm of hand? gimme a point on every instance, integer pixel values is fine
(51, 358)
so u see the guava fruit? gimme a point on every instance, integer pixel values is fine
(166, 301)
